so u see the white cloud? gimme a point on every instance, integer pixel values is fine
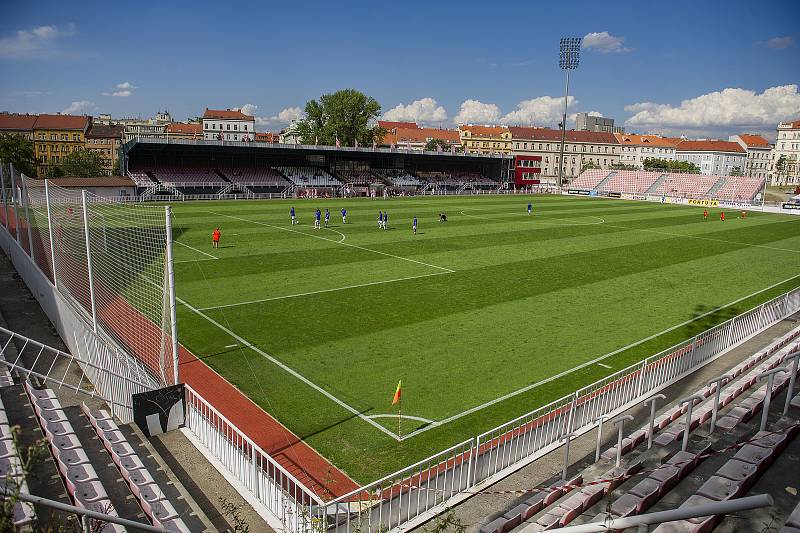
(423, 110)
(543, 110)
(27, 44)
(779, 43)
(476, 112)
(125, 85)
(122, 94)
(604, 42)
(284, 117)
(595, 114)
(729, 108)
(80, 107)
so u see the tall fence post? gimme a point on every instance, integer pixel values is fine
(173, 319)
(770, 375)
(27, 199)
(3, 191)
(793, 374)
(14, 200)
(89, 258)
(50, 232)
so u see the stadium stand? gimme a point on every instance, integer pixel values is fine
(712, 466)
(11, 468)
(141, 179)
(257, 176)
(686, 185)
(180, 175)
(589, 179)
(397, 177)
(357, 178)
(732, 188)
(309, 177)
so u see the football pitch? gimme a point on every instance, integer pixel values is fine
(484, 317)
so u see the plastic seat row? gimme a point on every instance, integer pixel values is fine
(11, 467)
(151, 498)
(80, 477)
(734, 478)
(793, 522)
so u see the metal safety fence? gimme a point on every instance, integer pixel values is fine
(102, 271)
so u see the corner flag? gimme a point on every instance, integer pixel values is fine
(397, 393)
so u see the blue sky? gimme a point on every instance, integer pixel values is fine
(704, 68)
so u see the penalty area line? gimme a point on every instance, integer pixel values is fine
(587, 363)
(195, 249)
(247, 344)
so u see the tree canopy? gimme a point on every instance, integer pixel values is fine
(670, 165)
(82, 163)
(431, 145)
(16, 149)
(347, 115)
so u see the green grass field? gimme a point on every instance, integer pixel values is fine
(465, 312)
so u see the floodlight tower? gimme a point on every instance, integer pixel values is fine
(568, 59)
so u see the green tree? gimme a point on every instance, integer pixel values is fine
(589, 165)
(53, 172)
(16, 149)
(82, 163)
(622, 166)
(347, 115)
(116, 171)
(669, 165)
(431, 145)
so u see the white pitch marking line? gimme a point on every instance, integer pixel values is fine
(195, 249)
(321, 291)
(245, 343)
(539, 219)
(419, 418)
(587, 363)
(707, 239)
(196, 260)
(335, 242)
(232, 346)
(604, 366)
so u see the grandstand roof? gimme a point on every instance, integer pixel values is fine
(226, 114)
(103, 131)
(9, 121)
(483, 131)
(631, 139)
(709, 146)
(99, 181)
(194, 128)
(754, 141)
(548, 134)
(62, 122)
(390, 125)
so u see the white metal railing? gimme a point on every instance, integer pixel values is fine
(294, 505)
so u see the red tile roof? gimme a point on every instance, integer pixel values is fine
(390, 125)
(754, 141)
(547, 134)
(267, 136)
(630, 139)
(226, 114)
(103, 131)
(100, 181)
(194, 128)
(62, 122)
(794, 124)
(709, 146)
(493, 132)
(423, 134)
(14, 121)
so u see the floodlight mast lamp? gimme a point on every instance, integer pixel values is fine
(568, 59)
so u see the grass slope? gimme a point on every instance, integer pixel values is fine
(494, 301)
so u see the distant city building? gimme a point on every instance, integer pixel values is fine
(634, 149)
(787, 145)
(485, 139)
(581, 148)
(759, 152)
(587, 122)
(13, 123)
(181, 130)
(228, 125)
(416, 138)
(290, 135)
(389, 125)
(138, 128)
(105, 140)
(56, 136)
(713, 157)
